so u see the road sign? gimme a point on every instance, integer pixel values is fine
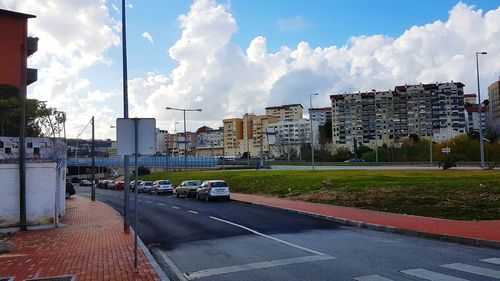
(446, 150)
(125, 136)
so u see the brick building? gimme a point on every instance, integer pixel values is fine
(15, 48)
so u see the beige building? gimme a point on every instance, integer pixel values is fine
(494, 106)
(244, 134)
(470, 99)
(288, 112)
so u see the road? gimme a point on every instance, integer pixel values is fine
(195, 240)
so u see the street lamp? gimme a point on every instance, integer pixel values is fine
(481, 143)
(185, 136)
(312, 135)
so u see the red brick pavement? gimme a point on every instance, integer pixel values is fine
(487, 230)
(93, 246)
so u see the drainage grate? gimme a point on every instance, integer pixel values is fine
(54, 278)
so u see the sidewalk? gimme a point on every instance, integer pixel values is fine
(480, 233)
(93, 246)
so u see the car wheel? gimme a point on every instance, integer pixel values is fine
(177, 194)
(197, 196)
(207, 199)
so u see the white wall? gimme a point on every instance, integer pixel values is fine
(45, 186)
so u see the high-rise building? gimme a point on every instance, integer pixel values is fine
(161, 140)
(290, 136)
(209, 142)
(233, 133)
(321, 115)
(372, 118)
(494, 106)
(472, 118)
(287, 112)
(470, 99)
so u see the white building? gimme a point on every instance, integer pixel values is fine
(472, 119)
(289, 136)
(161, 140)
(209, 141)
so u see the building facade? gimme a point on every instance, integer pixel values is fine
(321, 115)
(209, 142)
(287, 112)
(494, 106)
(373, 118)
(470, 99)
(16, 47)
(473, 119)
(161, 141)
(177, 144)
(290, 136)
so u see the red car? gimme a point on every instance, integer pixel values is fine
(118, 185)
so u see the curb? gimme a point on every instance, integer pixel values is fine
(391, 229)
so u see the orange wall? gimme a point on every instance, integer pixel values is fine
(13, 34)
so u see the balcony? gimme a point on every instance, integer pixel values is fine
(32, 46)
(31, 75)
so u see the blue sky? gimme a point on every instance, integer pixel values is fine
(233, 57)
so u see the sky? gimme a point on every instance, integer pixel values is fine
(229, 57)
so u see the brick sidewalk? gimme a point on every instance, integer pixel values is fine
(483, 230)
(92, 247)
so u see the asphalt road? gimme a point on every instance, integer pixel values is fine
(193, 240)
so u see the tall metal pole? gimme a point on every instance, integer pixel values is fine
(223, 147)
(22, 146)
(185, 142)
(312, 135)
(126, 216)
(136, 227)
(261, 151)
(481, 143)
(93, 160)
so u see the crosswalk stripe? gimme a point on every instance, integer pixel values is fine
(492, 260)
(474, 269)
(372, 278)
(431, 275)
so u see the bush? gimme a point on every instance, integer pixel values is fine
(143, 171)
(447, 163)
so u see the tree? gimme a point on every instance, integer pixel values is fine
(143, 171)
(40, 119)
(325, 133)
(342, 154)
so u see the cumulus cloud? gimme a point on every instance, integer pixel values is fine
(226, 81)
(293, 24)
(148, 37)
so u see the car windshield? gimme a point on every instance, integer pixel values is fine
(148, 183)
(164, 182)
(194, 183)
(219, 184)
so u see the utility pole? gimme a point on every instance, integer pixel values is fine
(22, 140)
(126, 190)
(261, 151)
(481, 142)
(93, 159)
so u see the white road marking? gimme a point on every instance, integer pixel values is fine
(270, 237)
(161, 204)
(175, 207)
(372, 278)
(251, 266)
(492, 260)
(431, 275)
(148, 201)
(172, 266)
(474, 269)
(193, 212)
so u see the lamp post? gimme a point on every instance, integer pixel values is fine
(185, 136)
(481, 143)
(312, 135)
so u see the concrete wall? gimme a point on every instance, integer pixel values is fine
(45, 193)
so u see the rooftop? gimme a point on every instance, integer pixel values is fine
(7, 13)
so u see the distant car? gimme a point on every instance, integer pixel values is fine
(354, 160)
(213, 189)
(132, 183)
(188, 188)
(145, 186)
(118, 185)
(162, 186)
(86, 183)
(70, 190)
(102, 183)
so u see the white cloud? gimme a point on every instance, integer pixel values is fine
(226, 81)
(293, 24)
(148, 37)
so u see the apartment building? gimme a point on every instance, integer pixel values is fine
(287, 112)
(470, 99)
(233, 133)
(494, 106)
(289, 136)
(161, 140)
(472, 118)
(209, 142)
(321, 115)
(372, 118)
(178, 144)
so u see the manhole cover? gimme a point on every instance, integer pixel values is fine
(54, 278)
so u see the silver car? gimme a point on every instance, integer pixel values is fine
(213, 189)
(145, 186)
(188, 188)
(162, 186)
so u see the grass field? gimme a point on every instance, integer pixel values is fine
(463, 195)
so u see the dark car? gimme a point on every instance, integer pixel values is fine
(70, 190)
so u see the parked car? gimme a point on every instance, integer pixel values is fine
(213, 189)
(118, 185)
(162, 186)
(70, 190)
(102, 184)
(132, 183)
(85, 183)
(188, 188)
(145, 186)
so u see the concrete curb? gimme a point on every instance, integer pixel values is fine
(391, 229)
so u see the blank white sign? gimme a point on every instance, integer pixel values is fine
(125, 138)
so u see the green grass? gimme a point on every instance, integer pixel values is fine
(463, 195)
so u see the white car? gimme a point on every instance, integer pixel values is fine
(162, 186)
(213, 189)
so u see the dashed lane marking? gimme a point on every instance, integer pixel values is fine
(474, 269)
(193, 212)
(431, 275)
(177, 208)
(492, 260)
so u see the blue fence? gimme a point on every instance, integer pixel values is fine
(151, 161)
